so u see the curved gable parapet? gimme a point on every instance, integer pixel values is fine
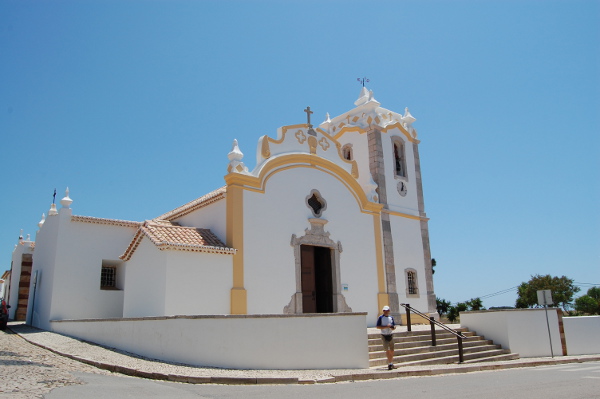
(303, 139)
(367, 201)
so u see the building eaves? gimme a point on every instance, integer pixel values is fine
(191, 206)
(114, 222)
(174, 237)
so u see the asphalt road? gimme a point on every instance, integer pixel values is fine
(572, 381)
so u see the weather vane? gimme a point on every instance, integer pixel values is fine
(54, 196)
(363, 81)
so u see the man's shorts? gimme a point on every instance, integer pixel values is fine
(387, 345)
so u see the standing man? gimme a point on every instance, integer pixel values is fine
(386, 324)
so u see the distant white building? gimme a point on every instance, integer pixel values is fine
(331, 219)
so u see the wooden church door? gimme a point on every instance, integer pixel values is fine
(317, 281)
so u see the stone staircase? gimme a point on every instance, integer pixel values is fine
(413, 348)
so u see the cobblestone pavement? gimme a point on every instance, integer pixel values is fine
(27, 371)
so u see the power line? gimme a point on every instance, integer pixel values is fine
(592, 284)
(505, 291)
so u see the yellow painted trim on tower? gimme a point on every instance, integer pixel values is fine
(235, 239)
(402, 129)
(382, 296)
(350, 129)
(404, 215)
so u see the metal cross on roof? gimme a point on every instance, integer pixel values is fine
(308, 112)
(54, 196)
(363, 80)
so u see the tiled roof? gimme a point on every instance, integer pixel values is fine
(195, 204)
(115, 222)
(169, 236)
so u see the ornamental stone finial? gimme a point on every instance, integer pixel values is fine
(235, 160)
(66, 201)
(235, 153)
(41, 222)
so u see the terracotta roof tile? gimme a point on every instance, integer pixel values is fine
(170, 236)
(191, 206)
(115, 222)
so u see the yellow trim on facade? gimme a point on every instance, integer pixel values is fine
(284, 130)
(235, 239)
(382, 297)
(349, 129)
(284, 162)
(382, 300)
(402, 129)
(404, 215)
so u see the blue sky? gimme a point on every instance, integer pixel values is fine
(134, 105)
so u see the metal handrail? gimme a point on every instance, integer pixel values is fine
(433, 322)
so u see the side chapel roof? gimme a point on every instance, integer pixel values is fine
(191, 206)
(170, 236)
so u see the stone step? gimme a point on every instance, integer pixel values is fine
(434, 354)
(446, 357)
(440, 334)
(423, 340)
(414, 348)
(400, 349)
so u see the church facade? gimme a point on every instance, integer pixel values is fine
(330, 220)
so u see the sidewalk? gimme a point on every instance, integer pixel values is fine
(133, 365)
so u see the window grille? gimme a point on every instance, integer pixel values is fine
(108, 277)
(412, 283)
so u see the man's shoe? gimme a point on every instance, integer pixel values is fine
(391, 366)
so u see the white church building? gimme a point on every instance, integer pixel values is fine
(330, 220)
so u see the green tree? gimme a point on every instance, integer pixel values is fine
(594, 292)
(442, 305)
(454, 311)
(562, 289)
(475, 304)
(589, 303)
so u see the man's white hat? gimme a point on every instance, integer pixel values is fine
(386, 308)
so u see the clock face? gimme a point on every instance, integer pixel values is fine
(402, 189)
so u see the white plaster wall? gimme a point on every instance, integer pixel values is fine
(211, 217)
(270, 219)
(408, 254)
(582, 335)
(259, 342)
(145, 282)
(198, 283)
(522, 331)
(44, 263)
(81, 248)
(408, 204)
(360, 151)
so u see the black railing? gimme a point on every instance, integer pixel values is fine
(433, 322)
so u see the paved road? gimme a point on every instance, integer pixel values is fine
(27, 371)
(573, 381)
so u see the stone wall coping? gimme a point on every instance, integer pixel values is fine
(509, 310)
(207, 317)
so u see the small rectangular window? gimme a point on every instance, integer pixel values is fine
(412, 283)
(108, 278)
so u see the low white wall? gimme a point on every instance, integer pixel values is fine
(522, 331)
(328, 341)
(582, 335)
